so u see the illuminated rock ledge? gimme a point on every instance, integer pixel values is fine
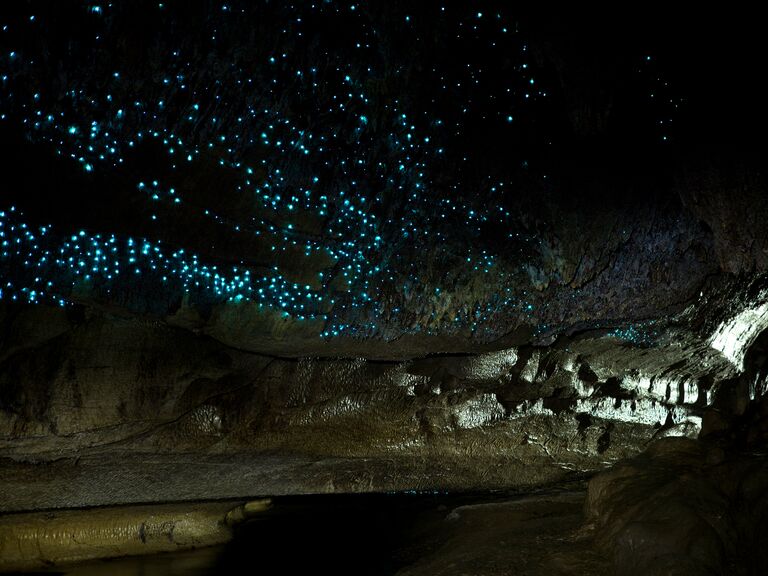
(43, 539)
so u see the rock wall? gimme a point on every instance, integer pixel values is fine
(89, 396)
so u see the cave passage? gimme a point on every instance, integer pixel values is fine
(464, 287)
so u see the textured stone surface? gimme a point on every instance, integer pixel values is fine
(532, 536)
(46, 539)
(98, 409)
(682, 507)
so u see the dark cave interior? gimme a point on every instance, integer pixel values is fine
(383, 287)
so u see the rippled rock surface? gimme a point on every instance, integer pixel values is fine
(100, 409)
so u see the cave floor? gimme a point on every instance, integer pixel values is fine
(383, 534)
(126, 478)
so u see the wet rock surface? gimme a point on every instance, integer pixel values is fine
(41, 540)
(535, 535)
(86, 397)
(98, 409)
(683, 506)
(687, 506)
(404, 534)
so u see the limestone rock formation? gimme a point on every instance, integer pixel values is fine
(266, 248)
